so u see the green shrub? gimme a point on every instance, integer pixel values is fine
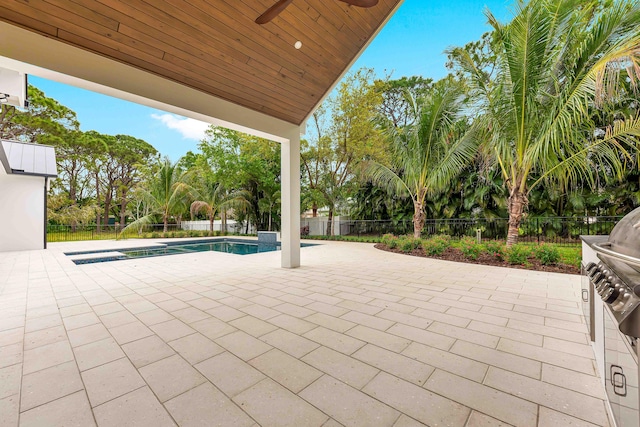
(470, 248)
(393, 242)
(436, 245)
(155, 235)
(408, 243)
(518, 254)
(547, 254)
(496, 249)
(387, 238)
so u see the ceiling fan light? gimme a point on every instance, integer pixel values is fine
(297, 44)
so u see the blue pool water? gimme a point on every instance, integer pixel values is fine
(237, 247)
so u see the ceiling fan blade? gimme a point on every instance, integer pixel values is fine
(273, 11)
(361, 3)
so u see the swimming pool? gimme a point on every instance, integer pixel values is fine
(231, 246)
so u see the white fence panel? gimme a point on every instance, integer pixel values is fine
(232, 226)
(318, 225)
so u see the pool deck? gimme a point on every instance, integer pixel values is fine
(355, 337)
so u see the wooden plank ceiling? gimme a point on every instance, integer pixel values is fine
(214, 45)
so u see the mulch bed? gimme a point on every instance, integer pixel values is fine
(452, 254)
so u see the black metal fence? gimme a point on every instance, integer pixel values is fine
(69, 233)
(560, 230)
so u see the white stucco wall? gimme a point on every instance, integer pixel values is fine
(21, 212)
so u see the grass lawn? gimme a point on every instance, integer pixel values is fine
(56, 236)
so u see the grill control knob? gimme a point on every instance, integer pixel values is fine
(602, 288)
(610, 295)
(597, 277)
(590, 267)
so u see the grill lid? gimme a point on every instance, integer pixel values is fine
(625, 236)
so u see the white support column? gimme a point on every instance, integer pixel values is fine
(290, 200)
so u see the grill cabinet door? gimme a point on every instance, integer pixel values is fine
(621, 374)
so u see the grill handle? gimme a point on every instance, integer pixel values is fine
(618, 380)
(603, 250)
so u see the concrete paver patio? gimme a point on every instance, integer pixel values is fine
(356, 337)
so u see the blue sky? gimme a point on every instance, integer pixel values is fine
(412, 43)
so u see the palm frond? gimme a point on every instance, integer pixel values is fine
(139, 223)
(386, 178)
(609, 151)
(200, 206)
(454, 159)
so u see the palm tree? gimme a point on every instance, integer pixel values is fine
(214, 199)
(269, 203)
(165, 193)
(428, 153)
(556, 62)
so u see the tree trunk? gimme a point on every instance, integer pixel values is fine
(107, 208)
(98, 218)
(517, 203)
(269, 220)
(223, 220)
(314, 209)
(73, 197)
(123, 214)
(419, 218)
(165, 220)
(211, 223)
(330, 223)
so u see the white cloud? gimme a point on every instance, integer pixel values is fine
(188, 128)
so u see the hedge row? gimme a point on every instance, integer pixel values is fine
(472, 250)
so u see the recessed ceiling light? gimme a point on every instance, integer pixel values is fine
(297, 44)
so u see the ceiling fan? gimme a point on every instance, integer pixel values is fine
(275, 10)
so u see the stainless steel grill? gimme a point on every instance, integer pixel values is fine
(616, 280)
